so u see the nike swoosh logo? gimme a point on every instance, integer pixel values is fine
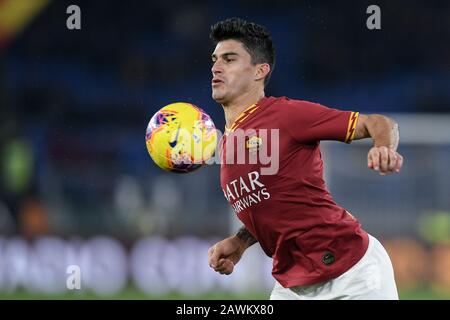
(175, 141)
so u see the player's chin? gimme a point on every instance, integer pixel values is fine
(218, 96)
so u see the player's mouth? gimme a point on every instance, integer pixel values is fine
(216, 81)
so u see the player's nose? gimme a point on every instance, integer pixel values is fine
(216, 69)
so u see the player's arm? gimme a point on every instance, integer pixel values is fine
(226, 253)
(383, 156)
(246, 237)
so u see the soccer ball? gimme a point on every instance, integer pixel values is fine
(181, 137)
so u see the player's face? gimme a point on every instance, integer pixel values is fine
(233, 71)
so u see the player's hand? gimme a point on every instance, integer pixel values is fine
(225, 254)
(385, 160)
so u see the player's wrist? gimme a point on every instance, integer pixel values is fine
(245, 237)
(238, 243)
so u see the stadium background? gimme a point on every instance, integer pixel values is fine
(78, 187)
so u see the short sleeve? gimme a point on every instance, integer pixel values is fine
(309, 122)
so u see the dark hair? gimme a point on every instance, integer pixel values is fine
(254, 37)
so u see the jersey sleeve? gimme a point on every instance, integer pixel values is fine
(309, 122)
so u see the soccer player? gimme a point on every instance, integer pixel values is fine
(319, 249)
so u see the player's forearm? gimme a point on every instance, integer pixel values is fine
(383, 130)
(246, 237)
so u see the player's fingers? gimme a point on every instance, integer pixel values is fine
(369, 160)
(226, 266)
(210, 251)
(221, 263)
(220, 269)
(392, 163)
(399, 164)
(213, 257)
(374, 158)
(384, 159)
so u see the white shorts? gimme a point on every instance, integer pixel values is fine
(371, 278)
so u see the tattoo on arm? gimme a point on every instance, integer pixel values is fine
(246, 236)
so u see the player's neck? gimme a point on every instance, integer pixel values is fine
(235, 108)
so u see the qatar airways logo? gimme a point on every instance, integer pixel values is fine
(246, 191)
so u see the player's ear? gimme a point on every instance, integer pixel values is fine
(262, 71)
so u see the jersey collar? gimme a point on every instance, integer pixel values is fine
(243, 115)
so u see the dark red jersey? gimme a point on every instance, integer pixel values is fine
(288, 208)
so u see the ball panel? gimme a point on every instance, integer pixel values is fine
(181, 137)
